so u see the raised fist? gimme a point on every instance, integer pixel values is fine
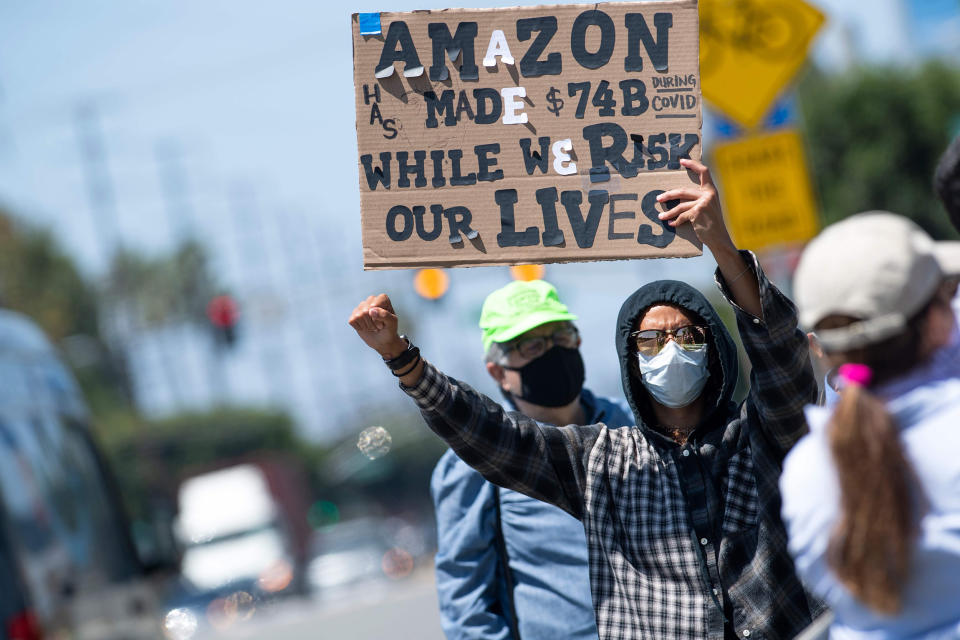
(376, 323)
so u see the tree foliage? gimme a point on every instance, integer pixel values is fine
(150, 457)
(874, 136)
(195, 439)
(39, 280)
(154, 291)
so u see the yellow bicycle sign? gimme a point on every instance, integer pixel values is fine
(750, 49)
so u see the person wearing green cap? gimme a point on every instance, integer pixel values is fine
(507, 565)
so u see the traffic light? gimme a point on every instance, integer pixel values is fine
(222, 312)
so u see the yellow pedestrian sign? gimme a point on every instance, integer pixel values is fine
(750, 50)
(766, 190)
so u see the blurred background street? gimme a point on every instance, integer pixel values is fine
(405, 611)
(193, 442)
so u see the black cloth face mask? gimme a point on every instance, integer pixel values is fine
(554, 379)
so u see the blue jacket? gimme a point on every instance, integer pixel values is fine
(507, 564)
(926, 406)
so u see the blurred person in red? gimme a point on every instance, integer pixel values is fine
(870, 496)
(681, 511)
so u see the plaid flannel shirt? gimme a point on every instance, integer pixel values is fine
(684, 542)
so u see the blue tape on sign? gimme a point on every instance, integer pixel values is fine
(369, 24)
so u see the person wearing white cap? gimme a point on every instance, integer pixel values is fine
(948, 256)
(871, 496)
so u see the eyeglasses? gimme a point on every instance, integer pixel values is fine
(649, 342)
(536, 346)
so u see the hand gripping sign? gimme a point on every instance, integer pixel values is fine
(524, 135)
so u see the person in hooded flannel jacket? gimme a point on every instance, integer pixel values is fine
(681, 511)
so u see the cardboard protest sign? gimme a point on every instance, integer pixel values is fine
(524, 135)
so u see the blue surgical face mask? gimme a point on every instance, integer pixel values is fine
(675, 376)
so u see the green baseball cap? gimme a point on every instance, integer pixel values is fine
(519, 307)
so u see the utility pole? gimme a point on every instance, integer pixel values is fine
(173, 185)
(300, 271)
(179, 213)
(120, 321)
(255, 260)
(93, 154)
(116, 323)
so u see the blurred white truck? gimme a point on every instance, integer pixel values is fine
(240, 526)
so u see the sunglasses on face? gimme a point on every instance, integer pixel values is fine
(649, 342)
(536, 346)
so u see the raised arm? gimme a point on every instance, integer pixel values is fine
(700, 206)
(781, 378)
(509, 449)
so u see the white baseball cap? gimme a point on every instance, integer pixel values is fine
(876, 266)
(948, 255)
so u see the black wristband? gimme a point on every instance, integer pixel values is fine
(398, 373)
(405, 358)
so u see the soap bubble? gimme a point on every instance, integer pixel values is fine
(397, 563)
(222, 613)
(242, 604)
(180, 624)
(374, 442)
